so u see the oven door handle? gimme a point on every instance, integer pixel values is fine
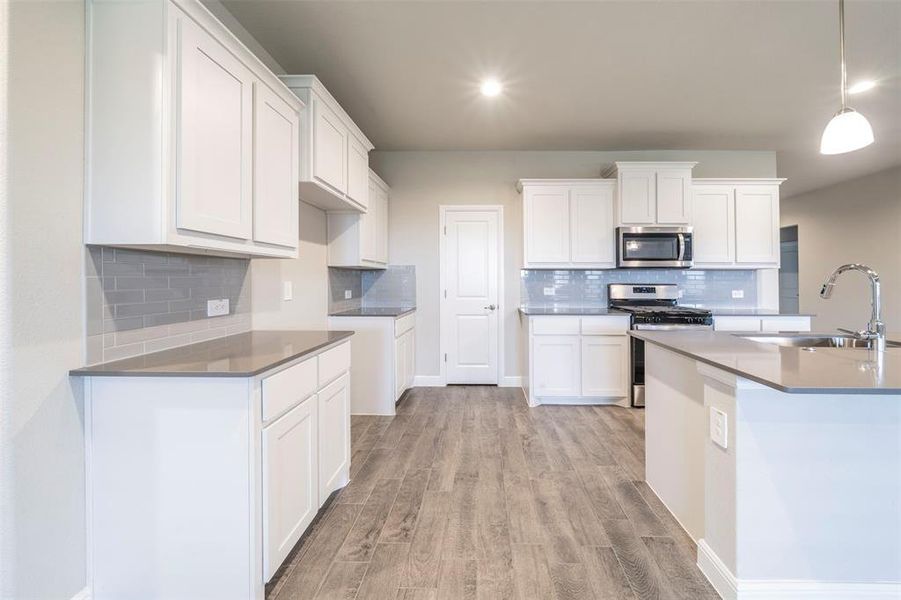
(681, 238)
(671, 327)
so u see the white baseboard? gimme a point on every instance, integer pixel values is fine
(510, 381)
(428, 381)
(731, 588)
(716, 572)
(83, 594)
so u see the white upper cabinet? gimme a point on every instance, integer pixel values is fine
(757, 224)
(653, 193)
(736, 223)
(361, 239)
(329, 147)
(275, 169)
(357, 172)
(568, 223)
(334, 153)
(214, 122)
(713, 236)
(189, 135)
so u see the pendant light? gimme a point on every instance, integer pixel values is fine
(848, 130)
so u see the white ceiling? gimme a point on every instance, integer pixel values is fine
(625, 75)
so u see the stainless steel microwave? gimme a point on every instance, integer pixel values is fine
(653, 247)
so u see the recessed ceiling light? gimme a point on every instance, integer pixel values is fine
(862, 86)
(491, 87)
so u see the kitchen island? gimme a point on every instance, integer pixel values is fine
(783, 463)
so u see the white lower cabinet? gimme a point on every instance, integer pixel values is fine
(577, 360)
(605, 365)
(556, 365)
(752, 324)
(290, 481)
(383, 355)
(334, 449)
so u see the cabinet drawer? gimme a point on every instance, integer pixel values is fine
(288, 388)
(404, 324)
(774, 324)
(555, 325)
(612, 325)
(736, 323)
(333, 363)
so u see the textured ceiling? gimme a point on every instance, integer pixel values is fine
(631, 75)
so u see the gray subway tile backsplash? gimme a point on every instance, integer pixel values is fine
(137, 297)
(711, 288)
(394, 286)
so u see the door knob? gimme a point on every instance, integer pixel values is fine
(490, 307)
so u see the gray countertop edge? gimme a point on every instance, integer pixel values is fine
(401, 312)
(93, 370)
(767, 382)
(755, 312)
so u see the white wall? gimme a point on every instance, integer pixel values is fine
(308, 273)
(854, 221)
(43, 525)
(421, 181)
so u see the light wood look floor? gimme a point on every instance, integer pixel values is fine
(468, 493)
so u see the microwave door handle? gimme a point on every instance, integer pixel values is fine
(681, 238)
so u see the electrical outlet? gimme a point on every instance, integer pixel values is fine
(681, 293)
(549, 291)
(738, 293)
(719, 427)
(217, 308)
(348, 294)
(288, 290)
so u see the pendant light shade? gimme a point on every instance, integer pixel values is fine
(848, 130)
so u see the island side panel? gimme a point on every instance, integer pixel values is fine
(372, 389)
(171, 483)
(819, 487)
(675, 431)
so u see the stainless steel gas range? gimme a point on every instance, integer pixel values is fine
(653, 306)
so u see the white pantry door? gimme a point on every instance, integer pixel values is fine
(471, 286)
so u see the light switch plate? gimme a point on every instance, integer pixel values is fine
(719, 427)
(288, 290)
(348, 294)
(217, 308)
(549, 291)
(738, 293)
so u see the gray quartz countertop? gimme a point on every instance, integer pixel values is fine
(755, 312)
(241, 355)
(372, 311)
(788, 369)
(568, 310)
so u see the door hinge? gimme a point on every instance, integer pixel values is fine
(445, 293)
(445, 230)
(445, 357)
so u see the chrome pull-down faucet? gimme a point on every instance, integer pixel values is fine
(875, 330)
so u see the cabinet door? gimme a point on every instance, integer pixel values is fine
(275, 164)
(605, 365)
(334, 436)
(637, 196)
(369, 224)
(410, 358)
(674, 197)
(714, 225)
(357, 171)
(400, 366)
(383, 227)
(214, 144)
(736, 323)
(547, 223)
(757, 224)
(329, 147)
(290, 497)
(556, 365)
(592, 226)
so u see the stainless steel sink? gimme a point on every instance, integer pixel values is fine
(813, 340)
